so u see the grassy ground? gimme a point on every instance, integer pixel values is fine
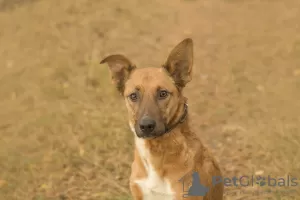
(64, 133)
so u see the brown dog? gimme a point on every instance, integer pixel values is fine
(167, 151)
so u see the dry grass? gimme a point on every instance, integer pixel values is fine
(64, 133)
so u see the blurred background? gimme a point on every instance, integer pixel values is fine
(63, 128)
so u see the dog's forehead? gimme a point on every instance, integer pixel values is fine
(150, 76)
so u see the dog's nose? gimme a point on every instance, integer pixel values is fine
(147, 124)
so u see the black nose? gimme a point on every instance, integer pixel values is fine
(147, 124)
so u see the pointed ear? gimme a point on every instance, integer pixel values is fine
(180, 61)
(120, 68)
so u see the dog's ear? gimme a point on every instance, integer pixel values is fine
(120, 68)
(180, 61)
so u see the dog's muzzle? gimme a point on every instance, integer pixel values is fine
(147, 125)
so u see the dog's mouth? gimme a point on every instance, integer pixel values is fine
(152, 135)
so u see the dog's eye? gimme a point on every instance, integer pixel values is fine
(163, 94)
(133, 97)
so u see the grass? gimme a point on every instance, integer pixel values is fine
(64, 133)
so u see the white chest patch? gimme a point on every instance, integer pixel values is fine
(153, 186)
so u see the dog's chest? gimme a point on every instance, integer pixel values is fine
(153, 186)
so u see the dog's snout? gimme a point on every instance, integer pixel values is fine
(147, 125)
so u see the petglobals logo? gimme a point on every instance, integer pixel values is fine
(246, 181)
(197, 189)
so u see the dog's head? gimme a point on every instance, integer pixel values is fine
(153, 96)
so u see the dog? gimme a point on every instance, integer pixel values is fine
(166, 149)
